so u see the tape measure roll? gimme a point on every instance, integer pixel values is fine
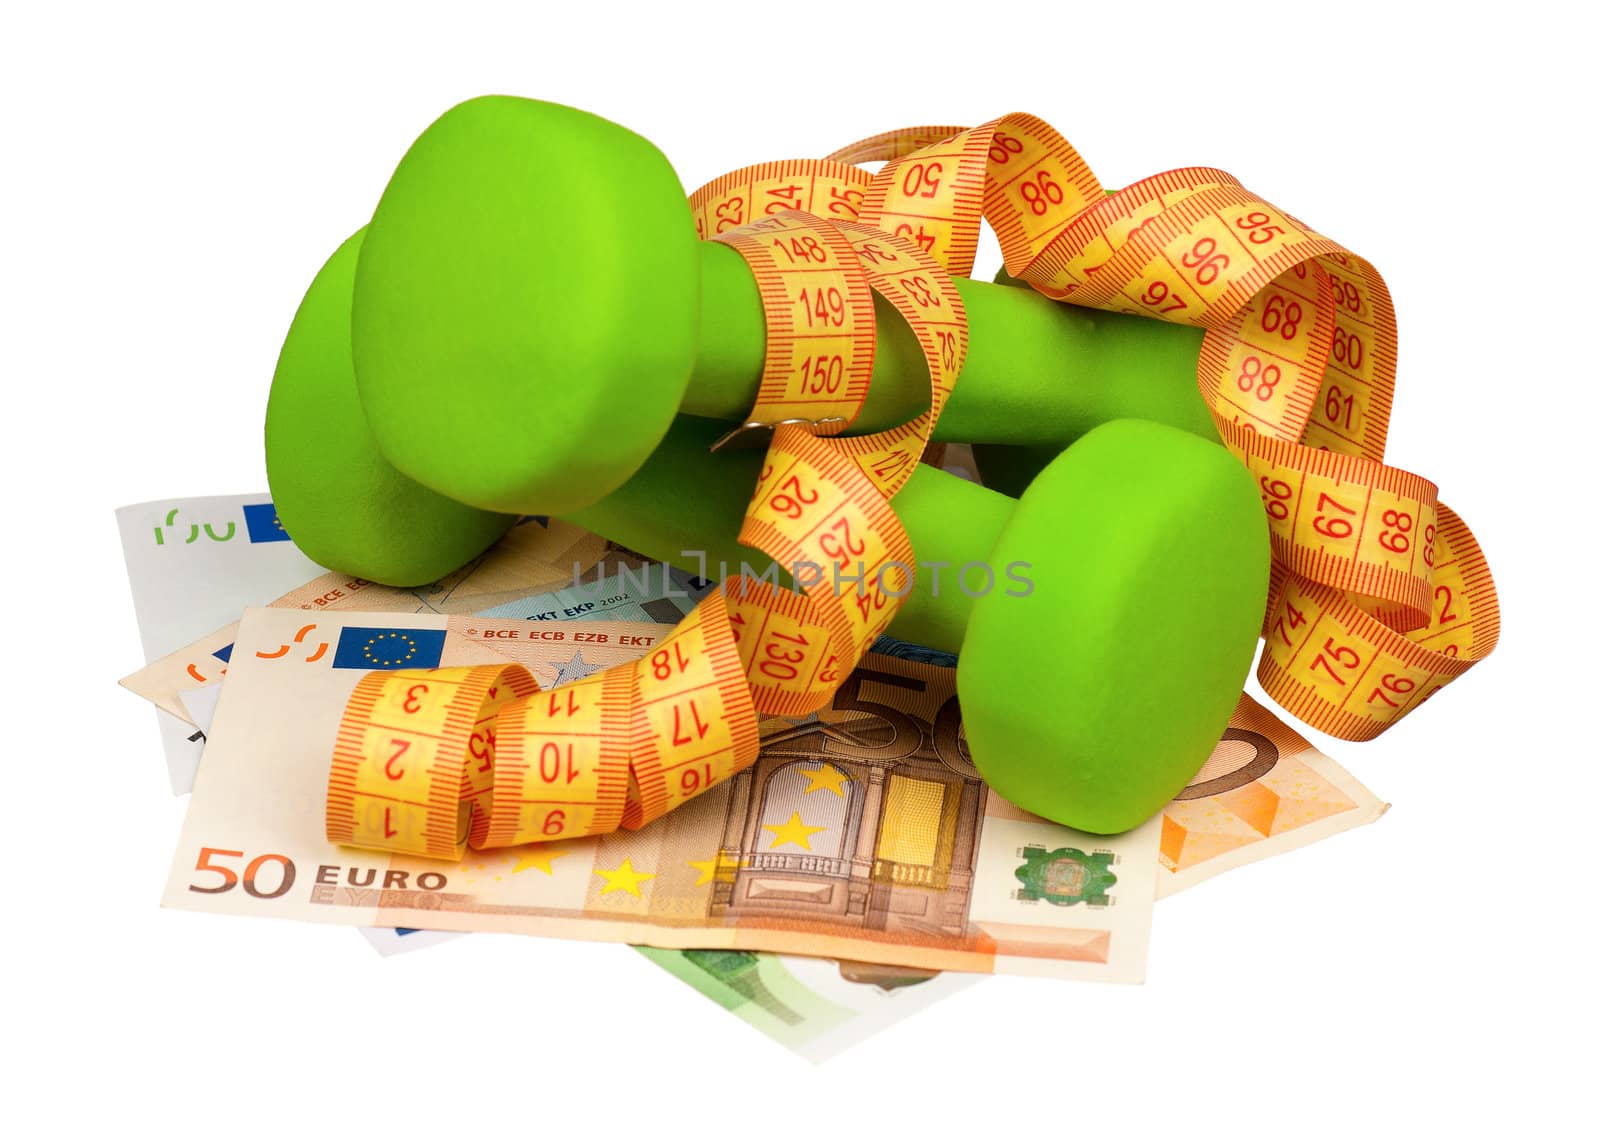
(1380, 595)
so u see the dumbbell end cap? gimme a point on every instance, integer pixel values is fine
(343, 504)
(1095, 698)
(526, 313)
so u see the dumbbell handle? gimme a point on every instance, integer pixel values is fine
(1037, 372)
(686, 499)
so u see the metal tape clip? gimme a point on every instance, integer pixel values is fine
(753, 434)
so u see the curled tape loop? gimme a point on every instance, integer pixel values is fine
(1297, 367)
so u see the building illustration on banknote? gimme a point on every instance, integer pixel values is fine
(871, 822)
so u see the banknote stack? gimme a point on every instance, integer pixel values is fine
(858, 872)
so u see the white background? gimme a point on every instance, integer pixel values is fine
(173, 177)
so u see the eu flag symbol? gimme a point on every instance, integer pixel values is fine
(382, 648)
(261, 521)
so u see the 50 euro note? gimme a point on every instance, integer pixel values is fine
(862, 833)
(1264, 790)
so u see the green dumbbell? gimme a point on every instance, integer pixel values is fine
(1113, 619)
(1090, 699)
(534, 269)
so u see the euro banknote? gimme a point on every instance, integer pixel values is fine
(535, 558)
(194, 564)
(862, 833)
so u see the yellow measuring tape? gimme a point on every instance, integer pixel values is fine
(1380, 595)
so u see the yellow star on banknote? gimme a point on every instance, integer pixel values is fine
(540, 857)
(827, 777)
(623, 878)
(793, 832)
(706, 869)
